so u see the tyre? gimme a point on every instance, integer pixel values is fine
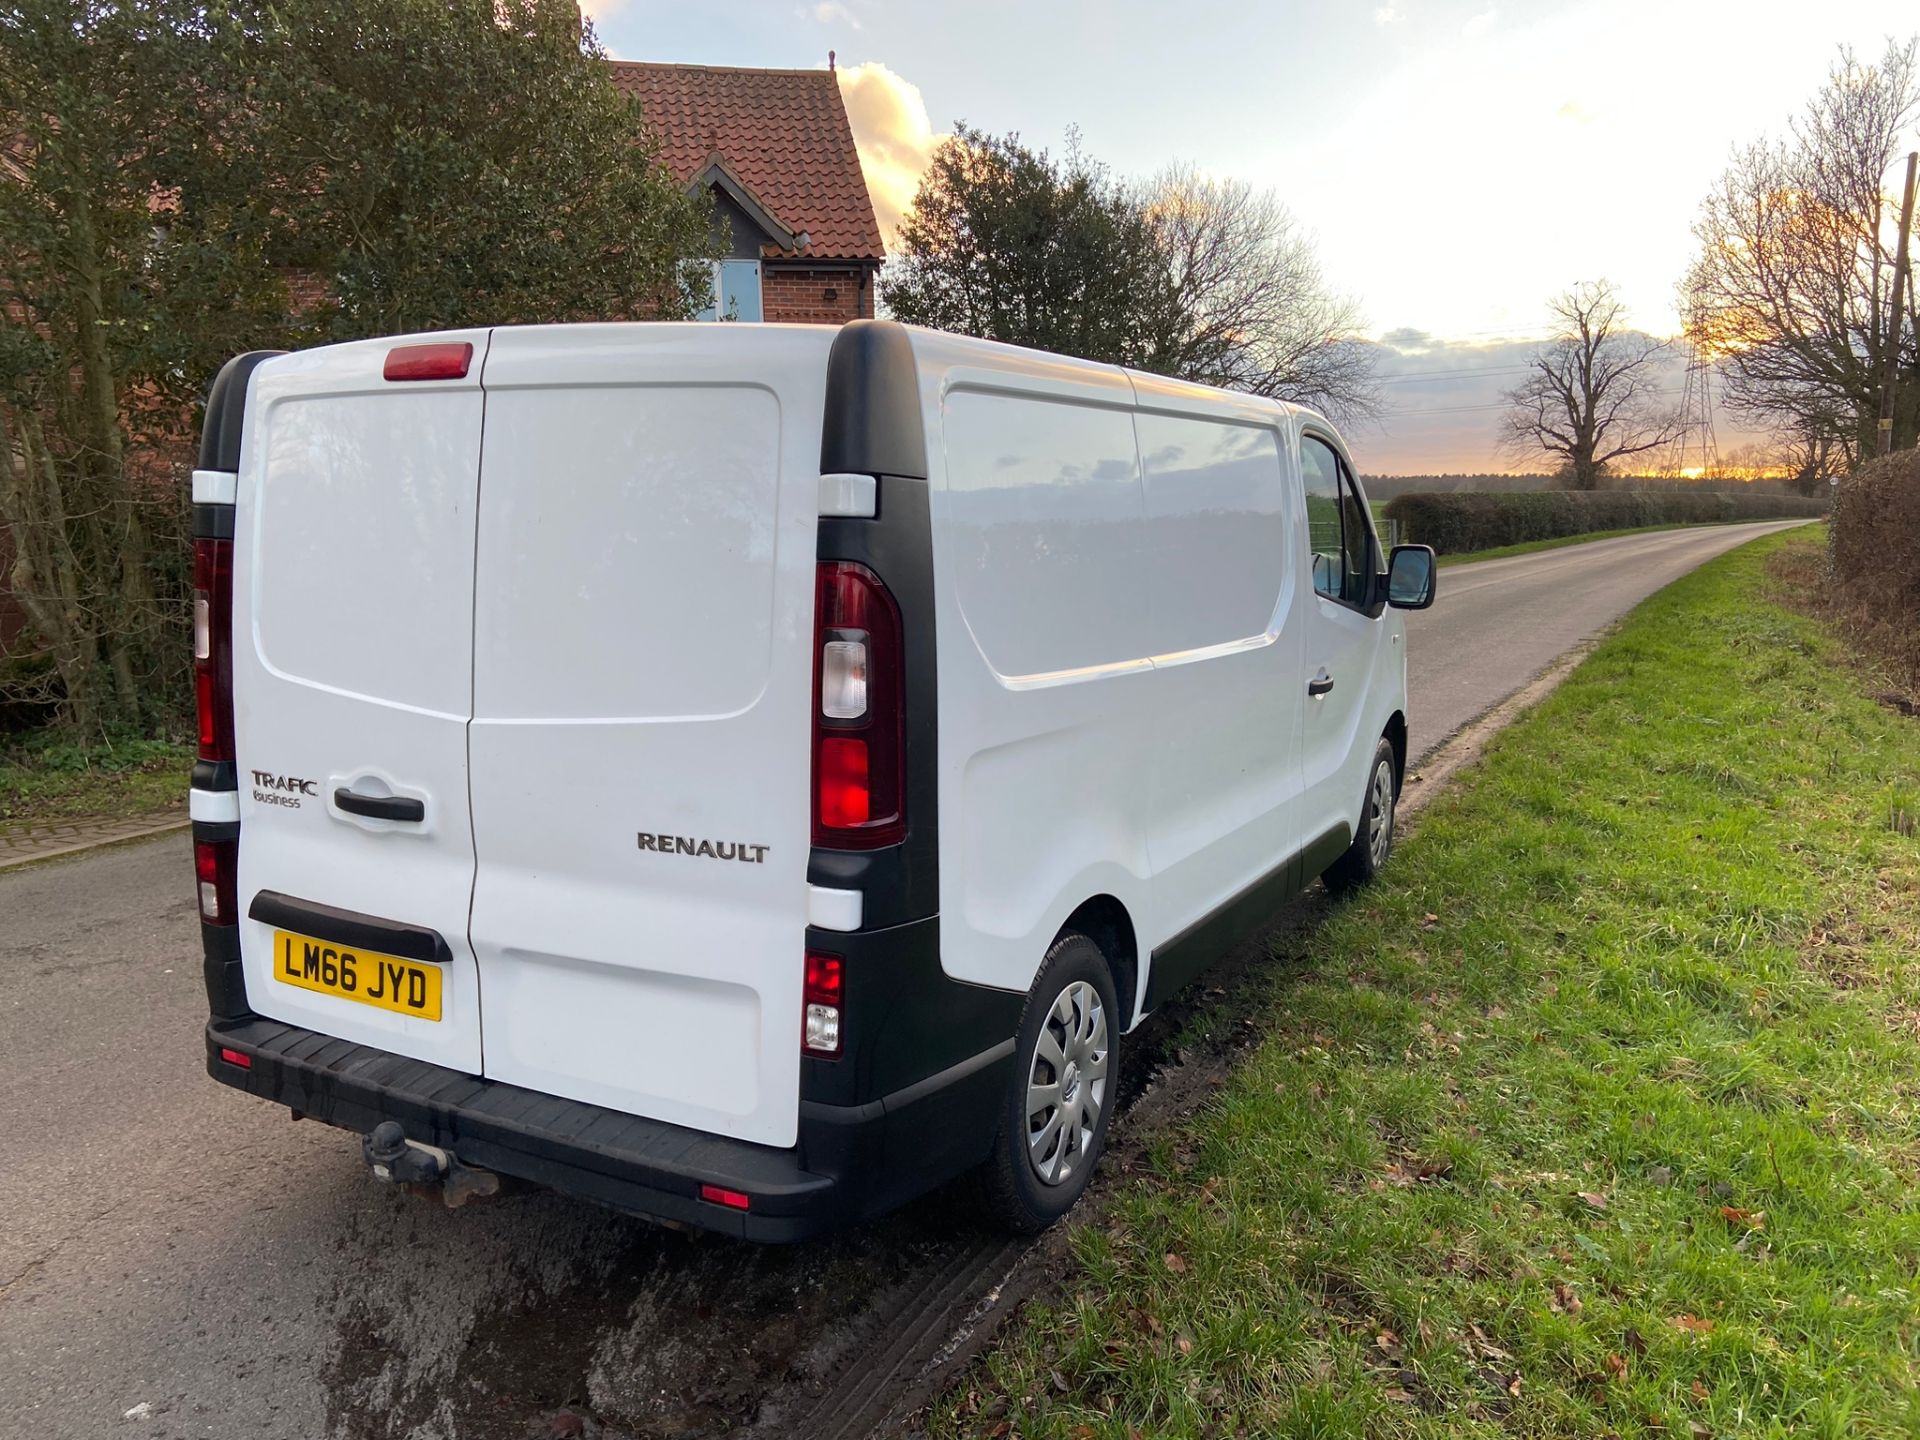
(1373, 840)
(1060, 1097)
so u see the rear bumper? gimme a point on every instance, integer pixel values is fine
(852, 1161)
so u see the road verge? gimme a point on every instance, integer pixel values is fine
(1594, 1118)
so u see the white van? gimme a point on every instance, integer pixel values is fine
(749, 774)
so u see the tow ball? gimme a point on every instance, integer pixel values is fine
(426, 1170)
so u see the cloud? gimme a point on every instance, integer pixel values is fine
(1389, 14)
(830, 12)
(893, 135)
(1576, 112)
(1481, 23)
(598, 10)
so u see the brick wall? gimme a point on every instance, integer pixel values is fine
(799, 294)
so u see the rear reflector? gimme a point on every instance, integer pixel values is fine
(732, 1199)
(235, 1057)
(442, 360)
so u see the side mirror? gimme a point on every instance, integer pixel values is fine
(1410, 577)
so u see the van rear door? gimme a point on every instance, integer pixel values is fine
(640, 741)
(353, 674)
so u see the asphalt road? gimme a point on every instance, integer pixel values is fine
(180, 1260)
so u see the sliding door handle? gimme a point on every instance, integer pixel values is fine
(1319, 685)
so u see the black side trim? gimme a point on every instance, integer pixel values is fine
(227, 411)
(349, 927)
(906, 1020)
(226, 981)
(213, 522)
(215, 775)
(872, 426)
(873, 404)
(1180, 960)
(216, 830)
(1323, 852)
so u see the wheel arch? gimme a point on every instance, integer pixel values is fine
(1396, 734)
(1104, 919)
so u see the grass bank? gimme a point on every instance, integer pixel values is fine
(1596, 1117)
(44, 778)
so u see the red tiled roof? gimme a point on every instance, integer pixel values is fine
(784, 133)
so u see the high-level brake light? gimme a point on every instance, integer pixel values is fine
(437, 360)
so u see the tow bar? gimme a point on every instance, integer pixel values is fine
(424, 1169)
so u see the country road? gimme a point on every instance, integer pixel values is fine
(180, 1260)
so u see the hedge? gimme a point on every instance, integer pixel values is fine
(1456, 523)
(1876, 558)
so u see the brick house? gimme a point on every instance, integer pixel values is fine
(775, 153)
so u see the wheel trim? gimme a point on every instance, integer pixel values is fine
(1380, 813)
(1067, 1084)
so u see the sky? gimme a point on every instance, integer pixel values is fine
(1458, 161)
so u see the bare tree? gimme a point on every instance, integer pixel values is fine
(1791, 285)
(1248, 307)
(1590, 397)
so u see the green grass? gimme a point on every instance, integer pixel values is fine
(1527, 547)
(45, 778)
(1596, 1117)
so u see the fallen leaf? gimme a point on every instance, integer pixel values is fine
(1175, 1263)
(1700, 1430)
(1513, 1385)
(1059, 1381)
(1429, 920)
(1752, 1219)
(1594, 1198)
(1699, 1390)
(1693, 1324)
(1564, 1299)
(1184, 1343)
(1617, 1366)
(1398, 1396)
(1661, 1175)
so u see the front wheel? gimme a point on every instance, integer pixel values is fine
(1060, 1097)
(1373, 841)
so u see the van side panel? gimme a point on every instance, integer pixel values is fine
(354, 514)
(1039, 521)
(642, 685)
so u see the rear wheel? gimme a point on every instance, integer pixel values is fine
(1373, 840)
(1053, 1123)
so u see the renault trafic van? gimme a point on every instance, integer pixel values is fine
(749, 774)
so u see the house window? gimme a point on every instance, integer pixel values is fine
(736, 290)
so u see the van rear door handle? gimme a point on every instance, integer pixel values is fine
(380, 807)
(1319, 685)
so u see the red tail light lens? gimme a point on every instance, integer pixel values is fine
(213, 645)
(441, 360)
(821, 996)
(215, 864)
(720, 1195)
(236, 1057)
(859, 756)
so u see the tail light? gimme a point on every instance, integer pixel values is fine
(213, 645)
(821, 996)
(215, 863)
(859, 756)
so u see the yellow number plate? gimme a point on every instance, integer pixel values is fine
(406, 987)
